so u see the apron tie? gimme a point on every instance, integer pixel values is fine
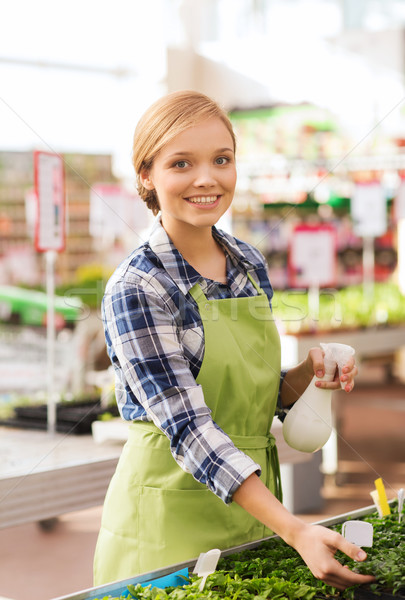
(267, 442)
(274, 466)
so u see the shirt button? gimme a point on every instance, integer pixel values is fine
(207, 306)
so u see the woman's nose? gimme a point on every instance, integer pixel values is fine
(204, 177)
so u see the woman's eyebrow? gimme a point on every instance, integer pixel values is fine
(186, 153)
(224, 150)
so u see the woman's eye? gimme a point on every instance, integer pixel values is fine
(222, 160)
(181, 164)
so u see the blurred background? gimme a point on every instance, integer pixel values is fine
(316, 92)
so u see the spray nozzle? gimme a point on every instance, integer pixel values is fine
(336, 354)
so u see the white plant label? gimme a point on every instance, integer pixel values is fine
(358, 532)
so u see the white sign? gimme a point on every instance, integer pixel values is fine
(107, 210)
(23, 360)
(115, 212)
(312, 258)
(50, 192)
(369, 210)
(21, 265)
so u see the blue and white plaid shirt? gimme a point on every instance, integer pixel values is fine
(155, 340)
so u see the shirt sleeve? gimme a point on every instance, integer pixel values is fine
(144, 341)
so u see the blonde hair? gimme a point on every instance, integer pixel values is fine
(164, 119)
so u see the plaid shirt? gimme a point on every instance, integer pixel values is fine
(155, 340)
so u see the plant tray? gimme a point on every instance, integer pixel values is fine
(120, 588)
(367, 595)
(71, 417)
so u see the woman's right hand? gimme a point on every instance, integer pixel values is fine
(317, 546)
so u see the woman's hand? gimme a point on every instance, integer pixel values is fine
(315, 366)
(298, 378)
(317, 546)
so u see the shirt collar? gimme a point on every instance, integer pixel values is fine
(231, 246)
(182, 273)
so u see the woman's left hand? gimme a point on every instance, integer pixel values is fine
(315, 365)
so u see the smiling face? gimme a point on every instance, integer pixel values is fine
(194, 176)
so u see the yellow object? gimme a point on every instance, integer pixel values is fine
(382, 497)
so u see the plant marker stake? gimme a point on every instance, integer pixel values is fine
(400, 503)
(206, 565)
(374, 495)
(358, 532)
(382, 497)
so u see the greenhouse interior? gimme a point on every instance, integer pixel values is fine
(173, 286)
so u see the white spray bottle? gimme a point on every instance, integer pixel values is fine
(308, 424)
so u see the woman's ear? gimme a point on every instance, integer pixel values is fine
(146, 181)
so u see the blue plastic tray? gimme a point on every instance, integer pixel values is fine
(171, 580)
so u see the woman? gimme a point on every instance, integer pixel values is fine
(190, 332)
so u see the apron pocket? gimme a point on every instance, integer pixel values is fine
(177, 525)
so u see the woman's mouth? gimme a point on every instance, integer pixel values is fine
(205, 201)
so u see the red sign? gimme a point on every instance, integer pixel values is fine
(50, 193)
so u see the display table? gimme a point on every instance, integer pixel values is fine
(43, 476)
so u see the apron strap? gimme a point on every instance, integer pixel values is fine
(255, 284)
(197, 293)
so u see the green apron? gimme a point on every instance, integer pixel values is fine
(155, 514)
